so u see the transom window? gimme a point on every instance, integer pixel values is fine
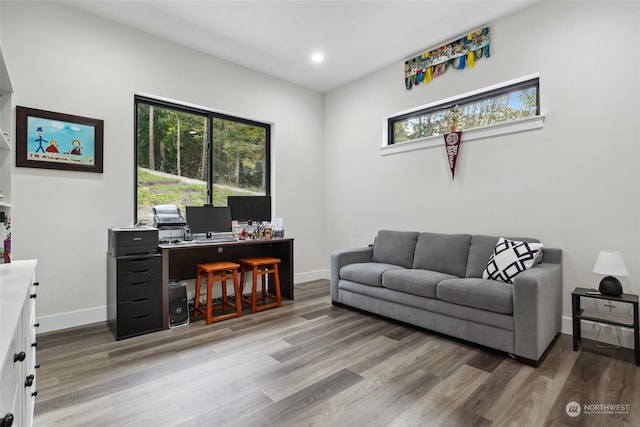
(498, 105)
(190, 157)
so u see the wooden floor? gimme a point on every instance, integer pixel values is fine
(310, 363)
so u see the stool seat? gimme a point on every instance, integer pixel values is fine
(261, 266)
(217, 272)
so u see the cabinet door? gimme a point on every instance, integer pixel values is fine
(11, 385)
(30, 375)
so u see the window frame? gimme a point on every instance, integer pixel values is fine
(210, 116)
(461, 100)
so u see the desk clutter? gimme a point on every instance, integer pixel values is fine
(245, 218)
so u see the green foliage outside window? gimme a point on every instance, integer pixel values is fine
(189, 157)
(477, 112)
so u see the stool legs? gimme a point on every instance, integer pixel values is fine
(258, 269)
(218, 273)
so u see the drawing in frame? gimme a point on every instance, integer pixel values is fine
(49, 140)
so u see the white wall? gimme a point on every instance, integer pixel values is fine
(571, 184)
(77, 64)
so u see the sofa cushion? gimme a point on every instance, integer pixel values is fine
(510, 258)
(480, 251)
(395, 247)
(416, 282)
(368, 273)
(484, 294)
(446, 253)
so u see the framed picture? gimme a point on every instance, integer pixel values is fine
(49, 140)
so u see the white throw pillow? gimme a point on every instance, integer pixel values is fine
(510, 258)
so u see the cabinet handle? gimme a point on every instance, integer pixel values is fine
(140, 283)
(19, 357)
(7, 420)
(34, 394)
(36, 325)
(29, 381)
(34, 296)
(34, 344)
(142, 316)
(37, 366)
(36, 283)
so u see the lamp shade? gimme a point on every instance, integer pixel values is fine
(611, 264)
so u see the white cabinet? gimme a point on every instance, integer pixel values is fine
(17, 343)
(6, 108)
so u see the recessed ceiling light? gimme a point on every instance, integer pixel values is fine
(317, 57)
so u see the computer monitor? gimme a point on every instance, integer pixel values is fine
(250, 208)
(209, 219)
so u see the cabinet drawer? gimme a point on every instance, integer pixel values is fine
(135, 308)
(125, 277)
(132, 237)
(139, 290)
(139, 317)
(139, 263)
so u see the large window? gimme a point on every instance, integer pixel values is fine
(498, 105)
(188, 156)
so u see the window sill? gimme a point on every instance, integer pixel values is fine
(500, 129)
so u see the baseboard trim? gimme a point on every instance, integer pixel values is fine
(310, 276)
(607, 332)
(71, 319)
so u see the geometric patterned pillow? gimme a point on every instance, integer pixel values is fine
(510, 258)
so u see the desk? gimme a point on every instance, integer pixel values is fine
(179, 261)
(607, 318)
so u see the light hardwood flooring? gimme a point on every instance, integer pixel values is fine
(310, 363)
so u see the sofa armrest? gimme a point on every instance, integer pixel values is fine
(343, 257)
(553, 255)
(537, 309)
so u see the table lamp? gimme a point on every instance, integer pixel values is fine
(611, 264)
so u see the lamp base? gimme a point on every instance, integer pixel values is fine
(610, 286)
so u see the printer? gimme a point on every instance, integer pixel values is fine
(169, 222)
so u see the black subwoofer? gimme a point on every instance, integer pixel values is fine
(178, 308)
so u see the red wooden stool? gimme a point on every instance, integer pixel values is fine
(261, 266)
(218, 272)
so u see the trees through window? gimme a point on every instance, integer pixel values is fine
(499, 105)
(188, 156)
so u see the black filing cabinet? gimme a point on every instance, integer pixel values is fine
(134, 282)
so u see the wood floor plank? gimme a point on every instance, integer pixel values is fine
(532, 403)
(310, 363)
(353, 406)
(441, 402)
(304, 399)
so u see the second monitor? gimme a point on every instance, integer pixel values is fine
(209, 219)
(250, 208)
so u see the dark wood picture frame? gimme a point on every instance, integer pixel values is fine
(78, 143)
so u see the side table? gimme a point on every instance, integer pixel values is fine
(604, 317)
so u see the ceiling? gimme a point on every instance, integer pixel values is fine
(279, 37)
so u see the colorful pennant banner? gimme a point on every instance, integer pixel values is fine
(457, 54)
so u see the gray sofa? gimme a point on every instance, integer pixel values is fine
(434, 281)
